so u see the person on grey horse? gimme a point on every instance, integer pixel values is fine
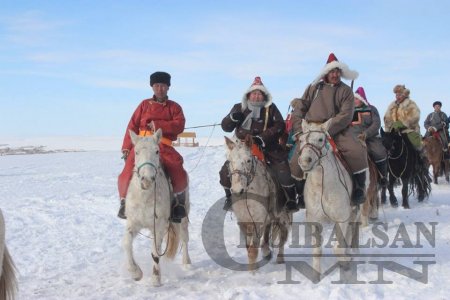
(259, 117)
(330, 98)
(366, 125)
(437, 121)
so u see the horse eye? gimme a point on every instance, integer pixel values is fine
(249, 161)
(320, 140)
(157, 151)
(137, 152)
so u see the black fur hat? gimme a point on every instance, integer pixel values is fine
(437, 103)
(160, 77)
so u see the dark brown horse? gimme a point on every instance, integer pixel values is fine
(405, 163)
(435, 155)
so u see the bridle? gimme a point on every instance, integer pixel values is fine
(138, 168)
(318, 151)
(249, 175)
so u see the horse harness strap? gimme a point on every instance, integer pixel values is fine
(164, 140)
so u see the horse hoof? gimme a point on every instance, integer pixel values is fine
(280, 260)
(406, 206)
(156, 281)
(268, 256)
(136, 273)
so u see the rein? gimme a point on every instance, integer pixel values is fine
(250, 175)
(398, 157)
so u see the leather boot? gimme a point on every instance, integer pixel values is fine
(382, 169)
(359, 186)
(227, 205)
(121, 213)
(291, 203)
(178, 207)
(299, 187)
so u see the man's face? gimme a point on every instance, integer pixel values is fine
(160, 90)
(334, 76)
(256, 96)
(399, 97)
(437, 108)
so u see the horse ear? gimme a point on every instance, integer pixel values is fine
(134, 137)
(230, 144)
(157, 136)
(248, 140)
(325, 126)
(382, 133)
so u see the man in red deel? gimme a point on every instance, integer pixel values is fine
(152, 114)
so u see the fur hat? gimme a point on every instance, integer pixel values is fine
(361, 95)
(437, 103)
(400, 88)
(257, 85)
(333, 63)
(160, 77)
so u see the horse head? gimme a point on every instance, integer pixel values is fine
(313, 144)
(147, 161)
(392, 141)
(242, 164)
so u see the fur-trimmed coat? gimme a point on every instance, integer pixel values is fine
(406, 112)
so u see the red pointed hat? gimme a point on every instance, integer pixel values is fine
(333, 63)
(257, 85)
(361, 95)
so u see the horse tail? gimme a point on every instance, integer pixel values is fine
(8, 280)
(173, 240)
(422, 180)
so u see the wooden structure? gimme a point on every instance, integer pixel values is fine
(186, 139)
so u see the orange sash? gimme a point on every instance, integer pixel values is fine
(257, 152)
(164, 140)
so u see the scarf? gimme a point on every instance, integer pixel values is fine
(255, 113)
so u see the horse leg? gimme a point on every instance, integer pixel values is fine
(446, 169)
(184, 234)
(436, 172)
(127, 243)
(341, 248)
(267, 254)
(405, 202)
(156, 251)
(383, 195)
(392, 198)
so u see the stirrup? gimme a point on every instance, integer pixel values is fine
(121, 213)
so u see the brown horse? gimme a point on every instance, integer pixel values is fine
(435, 155)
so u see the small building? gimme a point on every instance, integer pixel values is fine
(186, 139)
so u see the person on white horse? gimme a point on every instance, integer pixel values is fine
(436, 122)
(258, 117)
(366, 125)
(330, 98)
(151, 115)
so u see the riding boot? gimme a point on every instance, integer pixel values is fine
(227, 205)
(121, 213)
(359, 186)
(299, 187)
(178, 207)
(382, 169)
(291, 203)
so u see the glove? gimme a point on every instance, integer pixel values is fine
(398, 125)
(237, 117)
(151, 126)
(362, 136)
(125, 153)
(258, 141)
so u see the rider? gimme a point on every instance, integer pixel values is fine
(330, 98)
(403, 115)
(152, 114)
(366, 125)
(258, 117)
(437, 122)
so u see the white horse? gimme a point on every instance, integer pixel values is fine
(254, 198)
(148, 206)
(327, 191)
(8, 281)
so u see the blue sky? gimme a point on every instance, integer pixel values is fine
(81, 67)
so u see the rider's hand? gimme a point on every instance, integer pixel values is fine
(237, 117)
(398, 125)
(362, 136)
(125, 153)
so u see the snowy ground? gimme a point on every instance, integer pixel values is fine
(63, 233)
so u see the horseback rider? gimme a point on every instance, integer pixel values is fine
(330, 98)
(258, 117)
(436, 122)
(403, 115)
(152, 114)
(366, 125)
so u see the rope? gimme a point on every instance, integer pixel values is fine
(201, 126)
(204, 147)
